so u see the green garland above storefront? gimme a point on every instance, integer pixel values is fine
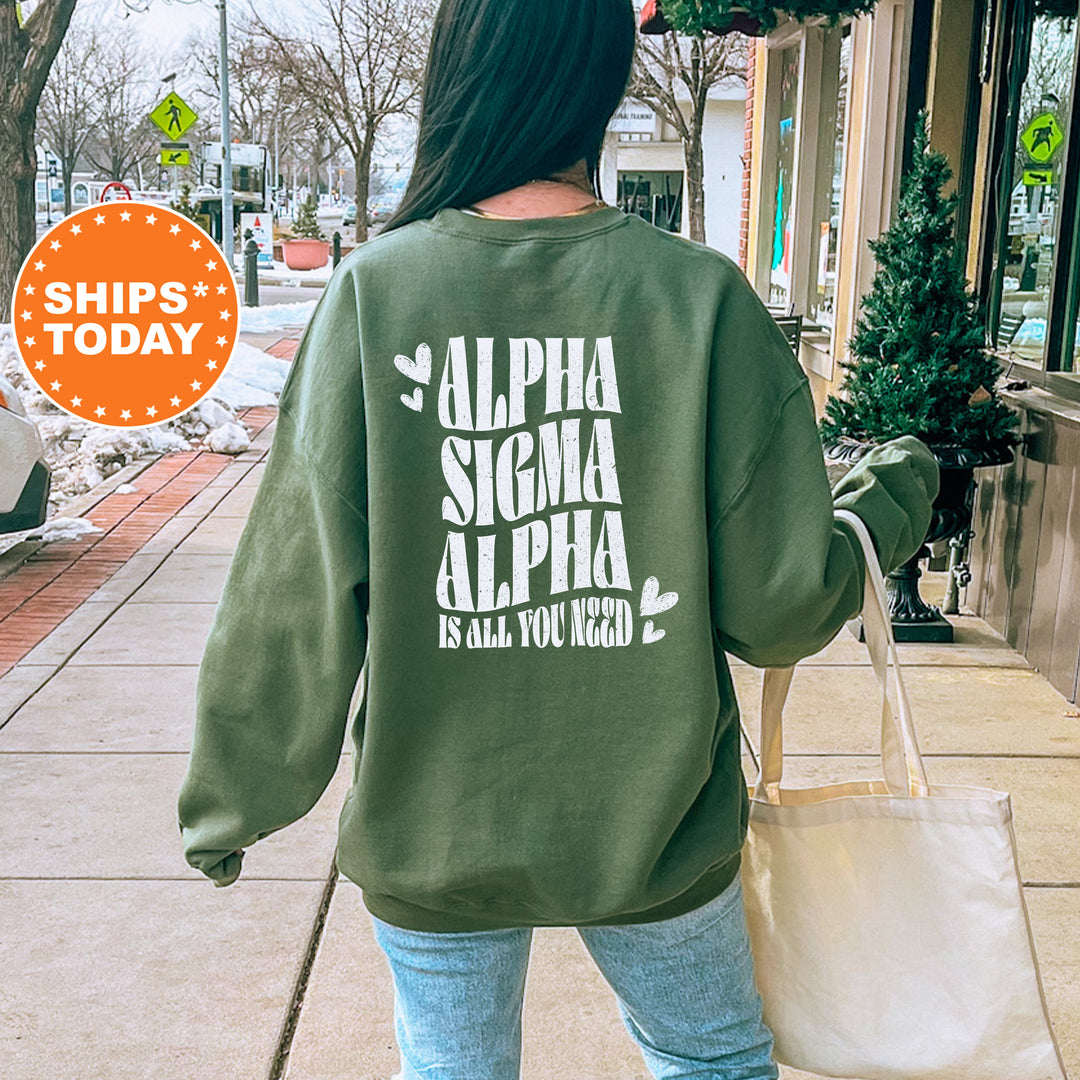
(696, 17)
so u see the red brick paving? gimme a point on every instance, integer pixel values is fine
(44, 590)
(284, 349)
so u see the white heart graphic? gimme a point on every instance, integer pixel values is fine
(649, 633)
(652, 603)
(419, 370)
(415, 400)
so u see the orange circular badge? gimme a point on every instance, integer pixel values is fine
(125, 314)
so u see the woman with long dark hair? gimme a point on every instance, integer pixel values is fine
(543, 465)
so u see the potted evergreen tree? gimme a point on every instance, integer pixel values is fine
(183, 204)
(919, 366)
(308, 251)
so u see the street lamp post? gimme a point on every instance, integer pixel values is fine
(226, 144)
(51, 174)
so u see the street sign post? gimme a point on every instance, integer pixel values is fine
(173, 115)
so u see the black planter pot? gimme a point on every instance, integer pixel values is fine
(912, 618)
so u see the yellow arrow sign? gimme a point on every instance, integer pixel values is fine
(174, 115)
(175, 157)
(1042, 138)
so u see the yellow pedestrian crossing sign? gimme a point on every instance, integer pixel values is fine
(174, 115)
(171, 156)
(1042, 138)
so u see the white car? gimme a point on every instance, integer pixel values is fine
(24, 475)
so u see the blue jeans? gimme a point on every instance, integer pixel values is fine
(683, 986)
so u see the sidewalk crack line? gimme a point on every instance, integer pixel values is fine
(280, 1060)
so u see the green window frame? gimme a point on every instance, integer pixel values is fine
(1056, 304)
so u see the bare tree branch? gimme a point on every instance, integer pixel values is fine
(44, 30)
(69, 106)
(355, 64)
(673, 75)
(27, 52)
(123, 134)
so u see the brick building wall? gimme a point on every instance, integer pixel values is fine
(748, 141)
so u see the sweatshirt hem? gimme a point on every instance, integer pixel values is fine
(409, 916)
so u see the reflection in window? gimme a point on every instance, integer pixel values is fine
(1034, 208)
(655, 196)
(828, 188)
(780, 263)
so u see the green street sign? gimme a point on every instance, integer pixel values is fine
(1042, 138)
(174, 115)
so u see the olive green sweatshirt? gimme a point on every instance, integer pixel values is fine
(545, 473)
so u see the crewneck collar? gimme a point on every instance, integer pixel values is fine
(508, 230)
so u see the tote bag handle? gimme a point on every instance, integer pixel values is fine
(901, 761)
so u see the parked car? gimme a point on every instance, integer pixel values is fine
(25, 477)
(349, 217)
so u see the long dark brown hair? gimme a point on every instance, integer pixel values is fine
(515, 90)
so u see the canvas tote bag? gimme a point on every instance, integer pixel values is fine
(887, 919)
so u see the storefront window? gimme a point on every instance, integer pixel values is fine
(828, 189)
(1034, 221)
(783, 216)
(654, 196)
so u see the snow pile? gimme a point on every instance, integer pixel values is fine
(251, 377)
(261, 320)
(63, 528)
(228, 439)
(81, 454)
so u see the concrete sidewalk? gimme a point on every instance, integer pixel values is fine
(118, 962)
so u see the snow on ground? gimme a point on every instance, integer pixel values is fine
(81, 454)
(65, 528)
(261, 320)
(251, 377)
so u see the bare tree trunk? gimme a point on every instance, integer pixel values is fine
(18, 202)
(26, 53)
(696, 64)
(363, 186)
(695, 183)
(67, 170)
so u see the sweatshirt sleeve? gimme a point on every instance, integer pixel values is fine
(289, 633)
(786, 574)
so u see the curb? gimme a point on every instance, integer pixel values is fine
(291, 283)
(16, 555)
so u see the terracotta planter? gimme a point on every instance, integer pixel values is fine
(305, 254)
